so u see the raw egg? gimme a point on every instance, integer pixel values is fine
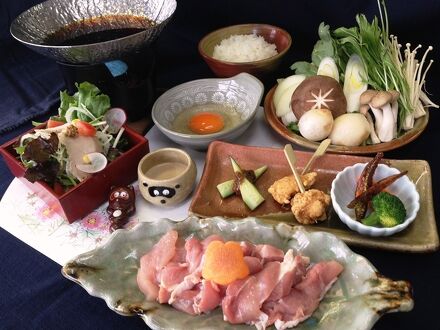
(202, 119)
(206, 123)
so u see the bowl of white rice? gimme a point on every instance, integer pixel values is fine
(253, 48)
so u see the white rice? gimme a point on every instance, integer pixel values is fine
(244, 48)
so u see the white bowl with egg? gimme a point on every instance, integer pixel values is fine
(343, 192)
(235, 100)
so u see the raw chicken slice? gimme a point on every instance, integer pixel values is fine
(304, 298)
(293, 270)
(279, 289)
(247, 248)
(188, 283)
(194, 257)
(180, 255)
(185, 301)
(265, 252)
(173, 273)
(163, 295)
(161, 253)
(202, 298)
(209, 297)
(170, 276)
(194, 252)
(268, 253)
(244, 298)
(254, 264)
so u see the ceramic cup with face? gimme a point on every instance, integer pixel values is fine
(166, 176)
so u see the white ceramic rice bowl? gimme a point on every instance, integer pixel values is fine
(242, 92)
(343, 192)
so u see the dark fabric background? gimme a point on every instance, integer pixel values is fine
(33, 294)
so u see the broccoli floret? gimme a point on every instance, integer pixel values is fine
(389, 211)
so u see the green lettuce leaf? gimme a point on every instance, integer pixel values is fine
(324, 47)
(88, 96)
(66, 101)
(305, 68)
(294, 127)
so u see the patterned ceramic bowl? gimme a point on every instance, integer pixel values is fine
(343, 191)
(240, 94)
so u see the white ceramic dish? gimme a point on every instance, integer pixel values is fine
(343, 191)
(242, 92)
(357, 299)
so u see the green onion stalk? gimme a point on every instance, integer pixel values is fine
(385, 66)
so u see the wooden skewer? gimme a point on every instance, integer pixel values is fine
(318, 153)
(288, 151)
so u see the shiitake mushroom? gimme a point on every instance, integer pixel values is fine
(317, 92)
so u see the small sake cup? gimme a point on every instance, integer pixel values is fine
(166, 176)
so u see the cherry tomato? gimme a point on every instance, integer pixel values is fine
(53, 123)
(84, 128)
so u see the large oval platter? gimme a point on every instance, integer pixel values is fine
(356, 300)
(276, 124)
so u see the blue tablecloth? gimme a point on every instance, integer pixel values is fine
(34, 295)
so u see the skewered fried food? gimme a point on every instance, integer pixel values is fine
(285, 188)
(311, 206)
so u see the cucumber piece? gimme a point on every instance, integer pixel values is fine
(235, 166)
(259, 171)
(249, 193)
(226, 188)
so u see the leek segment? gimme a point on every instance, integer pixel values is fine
(355, 82)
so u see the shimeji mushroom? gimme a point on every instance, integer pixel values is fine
(384, 107)
(373, 135)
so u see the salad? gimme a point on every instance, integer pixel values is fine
(84, 136)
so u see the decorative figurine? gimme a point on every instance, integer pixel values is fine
(121, 205)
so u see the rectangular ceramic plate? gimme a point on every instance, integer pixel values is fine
(420, 236)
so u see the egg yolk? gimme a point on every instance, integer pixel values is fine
(206, 123)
